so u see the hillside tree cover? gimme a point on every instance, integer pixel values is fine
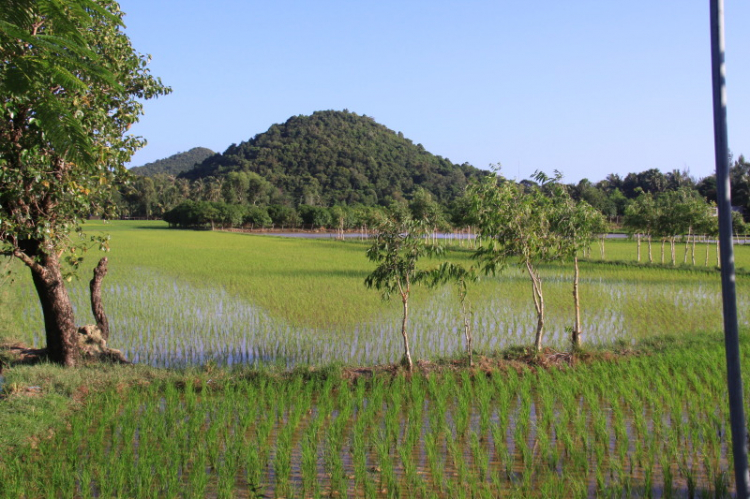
(339, 157)
(71, 85)
(175, 164)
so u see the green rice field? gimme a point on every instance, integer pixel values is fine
(645, 426)
(259, 405)
(178, 298)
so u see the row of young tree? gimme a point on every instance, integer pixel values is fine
(672, 215)
(222, 215)
(528, 224)
(612, 195)
(527, 227)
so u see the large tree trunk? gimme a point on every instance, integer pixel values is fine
(576, 337)
(59, 319)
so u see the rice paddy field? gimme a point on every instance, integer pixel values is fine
(178, 298)
(253, 324)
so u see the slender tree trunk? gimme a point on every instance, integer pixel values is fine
(708, 248)
(97, 308)
(601, 246)
(638, 250)
(672, 251)
(650, 253)
(692, 250)
(467, 334)
(536, 290)
(59, 319)
(663, 242)
(407, 352)
(576, 338)
(718, 259)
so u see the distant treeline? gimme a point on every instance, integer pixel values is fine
(337, 161)
(155, 197)
(220, 214)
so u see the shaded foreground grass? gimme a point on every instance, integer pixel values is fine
(649, 420)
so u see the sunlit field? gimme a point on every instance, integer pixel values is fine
(188, 297)
(238, 311)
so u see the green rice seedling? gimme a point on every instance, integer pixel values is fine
(253, 462)
(480, 457)
(502, 452)
(359, 453)
(438, 396)
(435, 460)
(388, 482)
(227, 473)
(456, 456)
(309, 463)
(198, 477)
(414, 486)
(282, 464)
(334, 466)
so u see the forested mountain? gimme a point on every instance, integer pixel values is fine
(335, 157)
(175, 164)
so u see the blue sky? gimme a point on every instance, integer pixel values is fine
(585, 87)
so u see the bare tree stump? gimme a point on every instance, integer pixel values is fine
(96, 298)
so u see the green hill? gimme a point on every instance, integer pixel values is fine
(339, 157)
(175, 164)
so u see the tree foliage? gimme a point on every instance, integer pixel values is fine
(339, 157)
(515, 222)
(174, 164)
(71, 85)
(399, 244)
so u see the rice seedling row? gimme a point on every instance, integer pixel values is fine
(644, 426)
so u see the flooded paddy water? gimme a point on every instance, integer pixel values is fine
(163, 322)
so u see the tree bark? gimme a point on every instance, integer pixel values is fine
(467, 333)
(708, 249)
(672, 251)
(536, 290)
(59, 319)
(692, 252)
(407, 352)
(96, 298)
(718, 253)
(638, 250)
(687, 245)
(576, 338)
(663, 242)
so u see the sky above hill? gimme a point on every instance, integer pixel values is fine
(582, 86)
